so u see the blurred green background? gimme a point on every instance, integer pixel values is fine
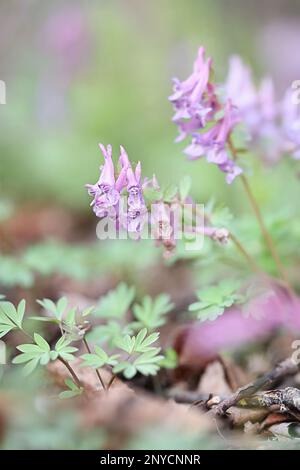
(80, 72)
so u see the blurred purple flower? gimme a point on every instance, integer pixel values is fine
(291, 125)
(256, 107)
(213, 144)
(196, 105)
(66, 35)
(194, 99)
(270, 311)
(231, 169)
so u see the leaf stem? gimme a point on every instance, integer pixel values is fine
(111, 381)
(97, 371)
(72, 372)
(268, 239)
(252, 263)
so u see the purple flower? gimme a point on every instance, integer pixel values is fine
(194, 99)
(106, 192)
(213, 144)
(231, 169)
(197, 105)
(137, 211)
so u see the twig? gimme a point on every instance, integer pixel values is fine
(286, 367)
(187, 396)
(285, 399)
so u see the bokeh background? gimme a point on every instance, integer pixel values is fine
(80, 72)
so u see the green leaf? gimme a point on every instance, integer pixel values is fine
(99, 359)
(215, 299)
(45, 319)
(151, 312)
(50, 306)
(10, 317)
(170, 359)
(70, 384)
(110, 333)
(148, 369)
(130, 371)
(152, 195)
(116, 303)
(185, 187)
(30, 366)
(87, 311)
(53, 355)
(139, 339)
(21, 312)
(120, 367)
(14, 272)
(210, 313)
(144, 346)
(61, 306)
(68, 394)
(71, 317)
(63, 349)
(62, 343)
(126, 368)
(170, 193)
(41, 342)
(73, 391)
(92, 360)
(126, 343)
(149, 357)
(221, 217)
(34, 354)
(140, 343)
(4, 329)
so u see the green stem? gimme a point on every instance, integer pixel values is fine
(72, 372)
(63, 361)
(268, 239)
(111, 381)
(251, 261)
(97, 371)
